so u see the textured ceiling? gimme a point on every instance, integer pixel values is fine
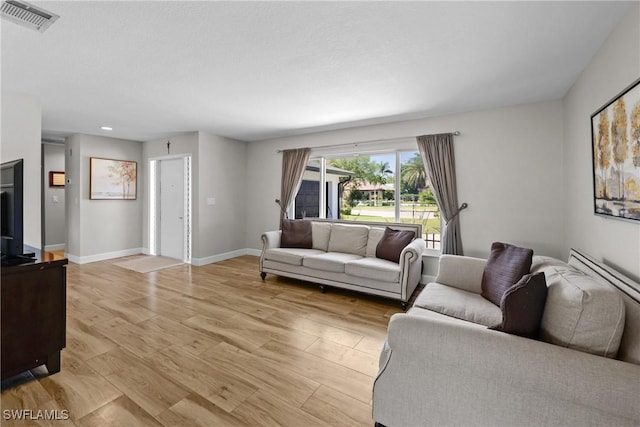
(258, 70)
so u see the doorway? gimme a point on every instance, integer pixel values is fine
(170, 207)
(53, 205)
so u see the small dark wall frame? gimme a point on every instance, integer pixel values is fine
(56, 179)
(615, 144)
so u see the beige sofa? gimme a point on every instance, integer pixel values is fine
(442, 366)
(344, 256)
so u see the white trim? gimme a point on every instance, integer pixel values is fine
(57, 247)
(322, 190)
(101, 257)
(220, 257)
(254, 252)
(152, 204)
(152, 199)
(194, 261)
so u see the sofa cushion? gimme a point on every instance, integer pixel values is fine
(320, 235)
(581, 313)
(392, 243)
(460, 304)
(292, 256)
(505, 266)
(296, 233)
(349, 239)
(330, 261)
(522, 306)
(540, 262)
(374, 268)
(375, 234)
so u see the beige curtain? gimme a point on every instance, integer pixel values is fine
(294, 163)
(437, 156)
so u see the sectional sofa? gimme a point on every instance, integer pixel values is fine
(443, 366)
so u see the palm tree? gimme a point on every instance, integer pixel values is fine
(413, 173)
(380, 174)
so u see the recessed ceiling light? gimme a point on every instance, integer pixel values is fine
(106, 128)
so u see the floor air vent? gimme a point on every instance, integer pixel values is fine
(27, 15)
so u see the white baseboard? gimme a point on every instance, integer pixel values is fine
(58, 247)
(221, 257)
(254, 252)
(217, 258)
(101, 257)
(127, 252)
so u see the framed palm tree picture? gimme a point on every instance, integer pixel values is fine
(615, 137)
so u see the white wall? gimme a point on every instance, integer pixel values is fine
(509, 169)
(101, 229)
(219, 172)
(21, 132)
(55, 233)
(614, 67)
(222, 176)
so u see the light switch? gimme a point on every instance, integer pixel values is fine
(211, 201)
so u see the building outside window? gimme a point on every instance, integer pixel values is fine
(367, 187)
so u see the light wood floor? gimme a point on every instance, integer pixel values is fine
(208, 346)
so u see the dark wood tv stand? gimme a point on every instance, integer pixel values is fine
(33, 314)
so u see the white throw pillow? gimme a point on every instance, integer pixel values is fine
(349, 239)
(581, 313)
(320, 232)
(375, 235)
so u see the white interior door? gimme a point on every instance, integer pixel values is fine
(172, 208)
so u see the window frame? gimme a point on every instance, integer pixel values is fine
(324, 157)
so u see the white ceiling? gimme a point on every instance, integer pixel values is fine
(258, 70)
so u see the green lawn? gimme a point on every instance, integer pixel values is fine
(431, 226)
(404, 208)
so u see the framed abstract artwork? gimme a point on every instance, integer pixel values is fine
(615, 142)
(112, 179)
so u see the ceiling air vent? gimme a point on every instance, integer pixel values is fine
(27, 15)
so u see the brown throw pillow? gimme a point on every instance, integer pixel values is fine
(522, 306)
(506, 266)
(296, 234)
(392, 243)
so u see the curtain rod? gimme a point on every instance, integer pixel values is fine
(356, 144)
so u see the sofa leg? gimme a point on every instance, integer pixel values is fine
(323, 289)
(404, 306)
(263, 275)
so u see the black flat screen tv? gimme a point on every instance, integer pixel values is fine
(12, 202)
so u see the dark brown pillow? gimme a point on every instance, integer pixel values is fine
(505, 267)
(296, 234)
(392, 243)
(522, 306)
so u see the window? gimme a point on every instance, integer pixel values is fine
(368, 187)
